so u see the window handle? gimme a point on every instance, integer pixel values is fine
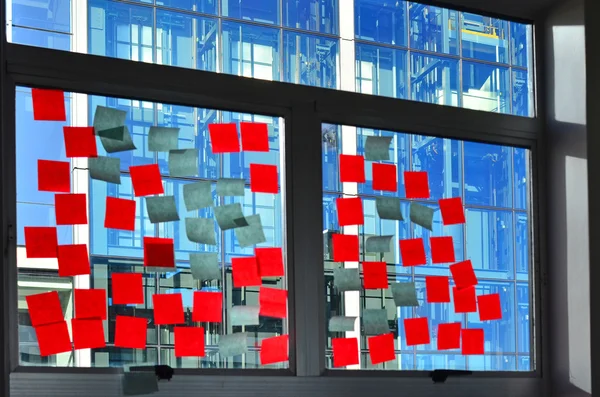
(440, 375)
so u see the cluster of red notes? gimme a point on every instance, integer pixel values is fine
(352, 170)
(90, 311)
(46, 314)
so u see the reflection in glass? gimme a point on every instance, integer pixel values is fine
(484, 38)
(434, 79)
(486, 87)
(520, 35)
(264, 11)
(381, 71)
(522, 94)
(490, 242)
(313, 15)
(310, 60)
(381, 22)
(433, 29)
(488, 174)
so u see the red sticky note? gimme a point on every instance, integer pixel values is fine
(41, 242)
(416, 331)
(53, 338)
(71, 209)
(130, 332)
(224, 138)
(448, 336)
(270, 262)
(489, 307)
(88, 334)
(413, 252)
(255, 137)
(73, 260)
(48, 105)
(442, 249)
(463, 274)
(80, 142)
(208, 307)
(120, 214)
(127, 288)
(54, 176)
(189, 342)
(274, 350)
(146, 180)
(159, 252)
(416, 184)
(438, 289)
(90, 303)
(464, 300)
(350, 211)
(273, 302)
(168, 309)
(345, 351)
(452, 211)
(375, 275)
(352, 168)
(245, 272)
(264, 178)
(345, 248)
(385, 177)
(44, 308)
(472, 341)
(381, 348)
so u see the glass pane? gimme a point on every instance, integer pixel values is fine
(490, 241)
(484, 38)
(314, 15)
(41, 38)
(520, 35)
(488, 174)
(434, 79)
(522, 242)
(381, 71)
(523, 308)
(433, 28)
(53, 16)
(486, 87)
(203, 6)
(522, 100)
(310, 60)
(382, 22)
(264, 11)
(521, 161)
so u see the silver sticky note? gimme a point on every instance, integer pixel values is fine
(230, 216)
(421, 215)
(346, 279)
(161, 209)
(377, 148)
(378, 244)
(405, 294)
(197, 195)
(107, 118)
(252, 234)
(116, 139)
(163, 139)
(389, 208)
(244, 315)
(183, 163)
(230, 187)
(233, 344)
(375, 321)
(342, 324)
(106, 169)
(139, 383)
(205, 266)
(201, 230)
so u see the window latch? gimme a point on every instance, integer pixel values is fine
(440, 375)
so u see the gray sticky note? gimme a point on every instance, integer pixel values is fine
(342, 324)
(197, 195)
(244, 315)
(377, 148)
(378, 244)
(233, 344)
(116, 139)
(161, 209)
(107, 118)
(421, 215)
(205, 266)
(183, 162)
(230, 216)
(106, 169)
(389, 208)
(230, 187)
(252, 234)
(163, 139)
(201, 230)
(139, 383)
(405, 294)
(375, 321)
(346, 279)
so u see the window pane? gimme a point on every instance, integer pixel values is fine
(314, 15)
(41, 38)
(523, 322)
(521, 160)
(203, 6)
(380, 71)
(484, 38)
(265, 11)
(433, 28)
(520, 43)
(382, 22)
(488, 175)
(522, 243)
(490, 242)
(486, 87)
(52, 16)
(310, 60)
(434, 79)
(522, 100)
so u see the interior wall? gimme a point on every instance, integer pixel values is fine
(568, 317)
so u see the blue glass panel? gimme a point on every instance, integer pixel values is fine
(186, 41)
(265, 11)
(522, 99)
(484, 38)
(314, 15)
(492, 363)
(488, 175)
(50, 15)
(330, 221)
(382, 22)
(523, 313)
(250, 51)
(310, 60)
(434, 79)
(524, 363)
(441, 159)
(40, 215)
(520, 35)
(203, 6)
(521, 161)
(41, 38)
(486, 87)
(433, 28)
(490, 242)
(331, 141)
(522, 242)
(430, 362)
(381, 71)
